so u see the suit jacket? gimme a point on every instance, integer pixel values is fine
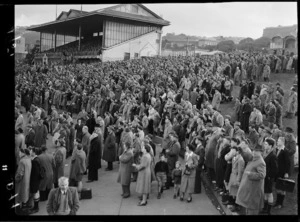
(283, 163)
(271, 165)
(29, 139)
(54, 200)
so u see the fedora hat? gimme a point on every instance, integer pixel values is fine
(259, 148)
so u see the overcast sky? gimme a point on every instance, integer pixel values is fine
(240, 19)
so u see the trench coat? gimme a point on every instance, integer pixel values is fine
(78, 165)
(238, 165)
(292, 103)
(59, 160)
(266, 71)
(47, 163)
(188, 181)
(143, 183)
(125, 169)
(251, 190)
(22, 179)
(216, 101)
(109, 152)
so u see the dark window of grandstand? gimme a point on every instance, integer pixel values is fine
(136, 55)
(126, 56)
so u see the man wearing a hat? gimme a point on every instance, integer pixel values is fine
(109, 152)
(29, 139)
(290, 146)
(251, 194)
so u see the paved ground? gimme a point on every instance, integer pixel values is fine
(107, 198)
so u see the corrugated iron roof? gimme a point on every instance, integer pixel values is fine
(110, 13)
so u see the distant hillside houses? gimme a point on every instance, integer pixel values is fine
(183, 40)
(32, 39)
(284, 39)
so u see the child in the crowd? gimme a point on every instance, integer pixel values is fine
(161, 171)
(176, 177)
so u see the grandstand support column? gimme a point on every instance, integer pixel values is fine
(55, 41)
(64, 39)
(40, 41)
(160, 42)
(79, 42)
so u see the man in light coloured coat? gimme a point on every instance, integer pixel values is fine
(251, 190)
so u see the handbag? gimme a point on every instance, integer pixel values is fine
(86, 193)
(187, 171)
(287, 185)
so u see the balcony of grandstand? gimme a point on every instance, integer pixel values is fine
(89, 46)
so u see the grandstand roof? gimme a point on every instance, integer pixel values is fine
(68, 22)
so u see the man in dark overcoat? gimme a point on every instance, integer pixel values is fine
(109, 152)
(47, 164)
(271, 172)
(29, 139)
(94, 157)
(245, 115)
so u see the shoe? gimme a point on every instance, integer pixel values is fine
(141, 198)
(89, 181)
(126, 196)
(175, 196)
(278, 207)
(158, 195)
(217, 188)
(85, 173)
(142, 204)
(189, 199)
(33, 211)
(225, 203)
(181, 198)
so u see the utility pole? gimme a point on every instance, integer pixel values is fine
(55, 12)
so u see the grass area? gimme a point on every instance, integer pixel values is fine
(286, 81)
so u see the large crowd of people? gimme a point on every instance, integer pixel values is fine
(113, 111)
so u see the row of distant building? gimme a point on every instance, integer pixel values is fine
(282, 38)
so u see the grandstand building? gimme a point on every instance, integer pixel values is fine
(121, 32)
